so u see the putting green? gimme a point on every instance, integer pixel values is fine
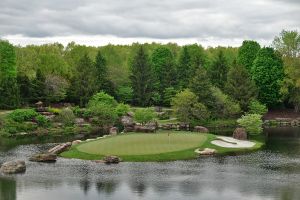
(143, 144)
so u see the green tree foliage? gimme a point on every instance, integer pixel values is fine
(239, 85)
(55, 88)
(102, 81)
(252, 123)
(125, 94)
(141, 78)
(267, 72)
(25, 88)
(38, 86)
(288, 44)
(169, 93)
(144, 115)
(184, 68)
(201, 86)
(83, 83)
(255, 107)
(104, 107)
(187, 109)
(247, 53)
(223, 105)
(163, 64)
(9, 91)
(218, 71)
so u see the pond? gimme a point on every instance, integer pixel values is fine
(272, 173)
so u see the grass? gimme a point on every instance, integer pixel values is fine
(139, 147)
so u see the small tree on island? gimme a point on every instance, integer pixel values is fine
(252, 123)
(187, 109)
(144, 115)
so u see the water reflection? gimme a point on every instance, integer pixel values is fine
(270, 174)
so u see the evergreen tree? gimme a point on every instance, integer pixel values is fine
(267, 72)
(163, 70)
(37, 89)
(218, 71)
(24, 88)
(184, 68)
(9, 92)
(201, 86)
(84, 81)
(141, 78)
(103, 82)
(240, 86)
(247, 53)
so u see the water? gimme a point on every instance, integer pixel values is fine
(273, 173)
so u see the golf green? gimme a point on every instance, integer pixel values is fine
(143, 144)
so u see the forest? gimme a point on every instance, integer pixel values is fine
(220, 82)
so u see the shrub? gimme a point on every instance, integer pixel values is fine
(144, 115)
(252, 123)
(122, 109)
(22, 115)
(106, 115)
(12, 127)
(66, 116)
(42, 120)
(187, 108)
(102, 98)
(255, 107)
(55, 111)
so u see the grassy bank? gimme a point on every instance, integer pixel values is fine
(138, 147)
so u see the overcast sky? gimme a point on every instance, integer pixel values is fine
(98, 22)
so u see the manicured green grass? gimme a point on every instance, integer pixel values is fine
(139, 147)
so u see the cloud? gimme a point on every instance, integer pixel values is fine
(159, 20)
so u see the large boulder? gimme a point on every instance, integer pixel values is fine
(201, 129)
(60, 148)
(206, 151)
(144, 129)
(127, 121)
(13, 167)
(113, 131)
(240, 134)
(76, 142)
(43, 157)
(111, 159)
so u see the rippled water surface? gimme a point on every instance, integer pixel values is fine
(273, 173)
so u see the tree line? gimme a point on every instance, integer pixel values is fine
(224, 79)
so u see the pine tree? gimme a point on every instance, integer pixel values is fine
(218, 71)
(84, 81)
(201, 86)
(184, 68)
(141, 78)
(37, 89)
(239, 85)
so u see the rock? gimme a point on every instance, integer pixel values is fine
(144, 129)
(113, 131)
(201, 129)
(240, 134)
(57, 124)
(206, 151)
(130, 114)
(13, 167)
(43, 157)
(76, 142)
(79, 121)
(183, 127)
(111, 159)
(127, 121)
(60, 148)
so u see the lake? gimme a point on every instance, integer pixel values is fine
(272, 173)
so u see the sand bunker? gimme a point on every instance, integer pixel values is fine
(230, 142)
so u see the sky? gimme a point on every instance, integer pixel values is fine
(99, 22)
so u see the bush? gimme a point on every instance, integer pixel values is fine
(22, 115)
(12, 127)
(102, 98)
(255, 107)
(187, 108)
(144, 115)
(122, 109)
(66, 116)
(55, 111)
(106, 115)
(42, 120)
(252, 123)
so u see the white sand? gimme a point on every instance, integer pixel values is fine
(230, 142)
